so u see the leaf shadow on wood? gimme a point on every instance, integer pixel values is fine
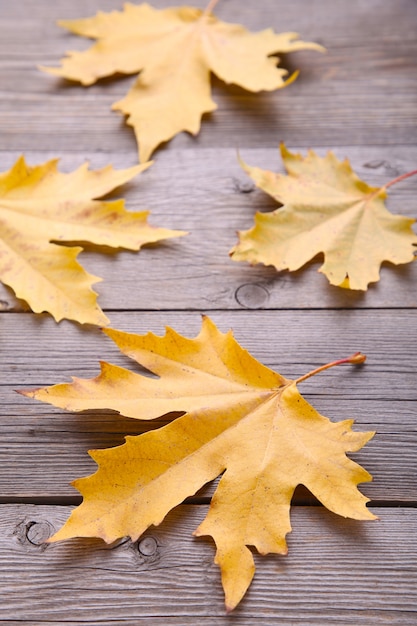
(333, 296)
(320, 529)
(256, 109)
(170, 538)
(87, 246)
(116, 85)
(10, 302)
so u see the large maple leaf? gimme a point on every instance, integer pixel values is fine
(41, 208)
(326, 209)
(174, 49)
(241, 418)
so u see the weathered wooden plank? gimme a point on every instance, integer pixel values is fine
(30, 124)
(379, 18)
(337, 572)
(335, 24)
(207, 193)
(44, 450)
(341, 95)
(42, 454)
(292, 342)
(358, 99)
(380, 396)
(314, 618)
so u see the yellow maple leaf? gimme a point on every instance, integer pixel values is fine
(326, 209)
(241, 418)
(41, 208)
(174, 50)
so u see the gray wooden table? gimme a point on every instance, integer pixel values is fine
(359, 100)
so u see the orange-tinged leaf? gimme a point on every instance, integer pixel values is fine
(174, 50)
(41, 208)
(326, 210)
(240, 418)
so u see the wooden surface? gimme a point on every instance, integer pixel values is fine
(359, 100)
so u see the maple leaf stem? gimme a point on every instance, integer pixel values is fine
(399, 178)
(355, 359)
(209, 8)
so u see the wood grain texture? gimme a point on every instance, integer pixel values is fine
(323, 575)
(380, 396)
(207, 194)
(361, 90)
(359, 99)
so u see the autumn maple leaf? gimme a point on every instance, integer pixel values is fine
(174, 49)
(326, 209)
(240, 418)
(41, 208)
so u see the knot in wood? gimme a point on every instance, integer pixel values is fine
(148, 546)
(252, 295)
(38, 532)
(243, 186)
